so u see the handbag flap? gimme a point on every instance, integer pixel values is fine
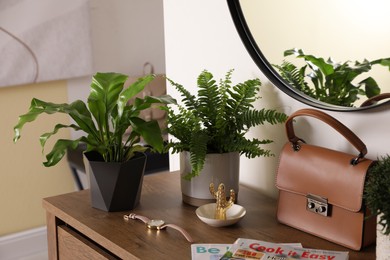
(323, 172)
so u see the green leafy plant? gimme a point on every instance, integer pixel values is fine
(377, 192)
(332, 82)
(216, 120)
(105, 120)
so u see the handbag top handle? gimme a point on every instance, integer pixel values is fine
(334, 123)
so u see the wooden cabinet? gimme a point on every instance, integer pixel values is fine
(78, 231)
(72, 245)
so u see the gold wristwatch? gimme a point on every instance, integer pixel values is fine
(158, 224)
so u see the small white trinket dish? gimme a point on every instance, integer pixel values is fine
(233, 215)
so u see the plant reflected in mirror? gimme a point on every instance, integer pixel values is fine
(332, 82)
(346, 30)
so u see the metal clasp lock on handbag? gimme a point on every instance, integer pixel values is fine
(317, 204)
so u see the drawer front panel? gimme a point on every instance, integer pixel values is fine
(72, 245)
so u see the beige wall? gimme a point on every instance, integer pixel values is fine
(347, 30)
(24, 181)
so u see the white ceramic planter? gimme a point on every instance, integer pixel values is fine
(382, 245)
(218, 168)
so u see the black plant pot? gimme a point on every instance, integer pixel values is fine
(115, 186)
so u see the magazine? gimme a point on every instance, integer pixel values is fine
(216, 251)
(244, 249)
(208, 251)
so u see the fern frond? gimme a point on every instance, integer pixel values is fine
(258, 117)
(188, 99)
(295, 77)
(208, 98)
(176, 147)
(222, 115)
(198, 151)
(182, 125)
(253, 148)
(217, 119)
(242, 96)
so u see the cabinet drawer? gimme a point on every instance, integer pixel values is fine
(72, 245)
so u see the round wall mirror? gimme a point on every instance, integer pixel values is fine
(308, 47)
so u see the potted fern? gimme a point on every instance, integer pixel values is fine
(377, 198)
(332, 82)
(114, 156)
(209, 133)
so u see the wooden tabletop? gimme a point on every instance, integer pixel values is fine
(161, 199)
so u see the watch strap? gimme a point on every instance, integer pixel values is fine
(135, 216)
(180, 229)
(146, 220)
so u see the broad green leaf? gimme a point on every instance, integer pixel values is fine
(164, 99)
(332, 81)
(43, 138)
(76, 110)
(37, 107)
(132, 90)
(105, 90)
(150, 131)
(383, 62)
(140, 104)
(322, 65)
(100, 119)
(79, 112)
(371, 87)
(59, 150)
(23, 119)
(134, 149)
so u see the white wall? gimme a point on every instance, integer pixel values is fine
(201, 35)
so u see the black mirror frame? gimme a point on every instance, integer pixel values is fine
(267, 69)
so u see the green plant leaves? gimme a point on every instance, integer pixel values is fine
(377, 191)
(370, 86)
(77, 111)
(189, 100)
(105, 90)
(43, 138)
(198, 151)
(59, 150)
(150, 131)
(105, 121)
(258, 117)
(133, 90)
(217, 118)
(332, 82)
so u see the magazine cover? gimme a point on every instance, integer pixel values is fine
(208, 251)
(216, 251)
(251, 249)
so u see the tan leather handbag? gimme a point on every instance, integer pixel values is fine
(321, 190)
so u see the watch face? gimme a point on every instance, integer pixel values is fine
(155, 223)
